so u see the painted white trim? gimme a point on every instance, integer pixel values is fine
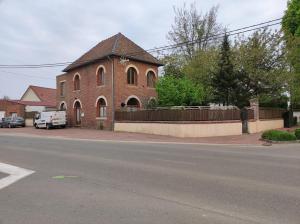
(77, 100)
(76, 74)
(134, 96)
(151, 70)
(100, 66)
(15, 174)
(63, 102)
(133, 66)
(62, 81)
(99, 97)
(152, 98)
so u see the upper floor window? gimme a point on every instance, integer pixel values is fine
(100, 76)
(77, 82)
(132, 76)
(151, 79)
(62, 90)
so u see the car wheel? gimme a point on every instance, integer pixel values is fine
(36, 126)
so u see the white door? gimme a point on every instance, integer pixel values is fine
(2, 114)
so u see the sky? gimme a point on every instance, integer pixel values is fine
(50, 31)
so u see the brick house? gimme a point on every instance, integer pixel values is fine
(115, 74)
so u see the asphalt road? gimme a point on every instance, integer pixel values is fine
(90, 182)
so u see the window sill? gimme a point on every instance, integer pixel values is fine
(101, 118)
(76, 91)
(132, 86)
(100, 86)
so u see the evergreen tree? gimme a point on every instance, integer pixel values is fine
(224, 81)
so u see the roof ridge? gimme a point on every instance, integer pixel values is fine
(41, 87)
(116, 43)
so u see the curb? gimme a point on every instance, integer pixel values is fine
(281, 142)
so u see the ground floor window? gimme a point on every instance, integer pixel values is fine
(133, 104)
(101, 108)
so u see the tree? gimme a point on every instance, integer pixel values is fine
(224, 81)
(173, 91)
(173, 65)
(260, 65)
(201, 68)
(192, 26)
(291, 29)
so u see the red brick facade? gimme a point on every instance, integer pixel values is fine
(90, 92)
(11, 107)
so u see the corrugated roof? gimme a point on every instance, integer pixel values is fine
(117, 45)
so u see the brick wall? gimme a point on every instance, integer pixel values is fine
(12, 107)
(89, 91)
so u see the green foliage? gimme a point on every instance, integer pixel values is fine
(267, 100)
(291, 19)
(259, 60)
(179, 92)
(276, 135)
(200, 69)
(297, 134)
(291, 28)
(224, 81)
(173, 65)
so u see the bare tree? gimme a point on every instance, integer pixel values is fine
(193, 31)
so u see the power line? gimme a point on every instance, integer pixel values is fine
(4, 72)
(163, 48)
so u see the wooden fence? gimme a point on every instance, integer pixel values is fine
(271, 113)
(179, 115)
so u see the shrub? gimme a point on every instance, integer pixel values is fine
(275, 135)
(297, 133)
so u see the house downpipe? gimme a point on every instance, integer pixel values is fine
(112, 90)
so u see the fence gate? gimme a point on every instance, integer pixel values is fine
(245, 118)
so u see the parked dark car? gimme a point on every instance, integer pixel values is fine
(14, 122)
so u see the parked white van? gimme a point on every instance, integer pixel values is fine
(50, 119)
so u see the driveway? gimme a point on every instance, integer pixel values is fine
(77, 133)
(80, 182)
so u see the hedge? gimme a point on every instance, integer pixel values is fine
(297, 134)
(275, 135)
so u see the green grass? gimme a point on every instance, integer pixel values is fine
(276, 135)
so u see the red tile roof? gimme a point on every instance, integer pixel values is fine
(33, 103)
(47, 96)
(117, 45)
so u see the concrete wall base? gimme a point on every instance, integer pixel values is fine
(264, 125)
(192, 130)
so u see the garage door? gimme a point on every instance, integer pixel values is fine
(2, 114)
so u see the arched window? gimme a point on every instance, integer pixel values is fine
(63, 107)
(77, 112)
(101, 108)
(133, 104)
(100, 76)
(151, 79)
(132, 76)
(77, 82)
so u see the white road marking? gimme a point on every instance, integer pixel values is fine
(15, 174)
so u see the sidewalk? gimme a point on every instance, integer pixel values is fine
(88, 134)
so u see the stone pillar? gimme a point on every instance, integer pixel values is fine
(254, 104)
